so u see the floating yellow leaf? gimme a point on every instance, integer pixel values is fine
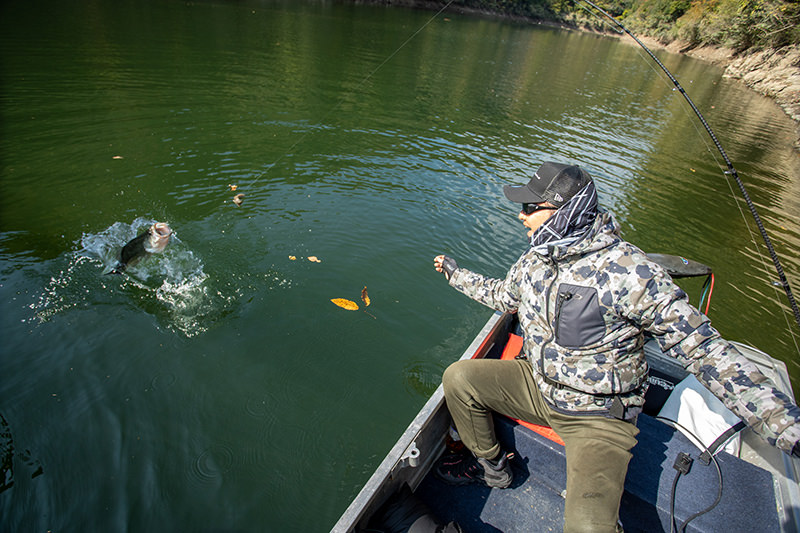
(345, 304)
(365, 296)
(313, 259)
(233, 187)
(292, 258)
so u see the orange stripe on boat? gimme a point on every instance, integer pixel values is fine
(513, 347)
(512, 350)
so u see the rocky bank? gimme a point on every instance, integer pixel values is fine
(773, 73)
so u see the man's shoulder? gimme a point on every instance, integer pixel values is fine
(619, 251)
(619, 263)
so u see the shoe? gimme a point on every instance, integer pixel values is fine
(462, 469)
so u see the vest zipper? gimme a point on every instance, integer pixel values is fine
(547, 315)
(563, 297)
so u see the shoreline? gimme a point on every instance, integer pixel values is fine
(774, 73)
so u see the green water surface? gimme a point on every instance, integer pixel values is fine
(217, 388)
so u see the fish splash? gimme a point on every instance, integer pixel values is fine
(170, 286)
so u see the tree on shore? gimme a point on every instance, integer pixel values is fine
(738, 24)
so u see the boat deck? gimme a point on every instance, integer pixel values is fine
(534, 502)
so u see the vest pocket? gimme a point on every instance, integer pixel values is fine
(579, 321)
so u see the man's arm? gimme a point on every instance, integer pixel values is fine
(499, 294)
(662, 309)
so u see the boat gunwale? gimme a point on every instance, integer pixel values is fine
(392, 471)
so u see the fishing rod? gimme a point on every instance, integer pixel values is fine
(730, 171)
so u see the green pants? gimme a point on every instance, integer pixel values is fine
(597, 448)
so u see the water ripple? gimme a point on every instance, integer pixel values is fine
(212, 464)
(162, 381)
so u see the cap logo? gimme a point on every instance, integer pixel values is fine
(558, 198)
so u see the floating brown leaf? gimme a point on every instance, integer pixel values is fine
(313, 259)
(233, 187)
(365, 296)
(238, 199)
(345, 304)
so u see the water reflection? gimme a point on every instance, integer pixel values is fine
(220, 377)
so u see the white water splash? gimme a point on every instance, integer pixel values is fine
(187, 302)
(171, 285)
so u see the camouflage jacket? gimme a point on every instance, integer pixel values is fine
(584, 309)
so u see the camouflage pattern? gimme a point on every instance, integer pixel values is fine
(583, 310)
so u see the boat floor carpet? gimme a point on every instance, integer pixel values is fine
(535, 501)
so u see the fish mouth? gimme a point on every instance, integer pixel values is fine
(161, 229)
(160, 233)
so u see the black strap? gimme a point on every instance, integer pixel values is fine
(617, 409)
(722, 439)
(561, 386)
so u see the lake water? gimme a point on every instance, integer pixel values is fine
(216, 387)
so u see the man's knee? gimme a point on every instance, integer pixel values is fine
(456, 376)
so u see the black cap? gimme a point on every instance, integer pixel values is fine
(553, 182)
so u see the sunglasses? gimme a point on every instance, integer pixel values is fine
(530, 209)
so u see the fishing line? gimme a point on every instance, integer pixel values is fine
(745, 219)
(731, 171)
(660, 75)
(763, 263)
(358, 86)
(747, 224)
